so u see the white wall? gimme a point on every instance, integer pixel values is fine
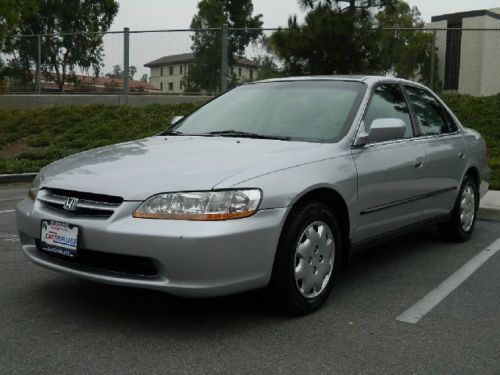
(471, 57)
(441, 46)
(161, 82)
(490, 84)
(247, 74)
(161, 78)
(479, 55)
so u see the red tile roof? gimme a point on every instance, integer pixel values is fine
(189, 58)
(101, 81)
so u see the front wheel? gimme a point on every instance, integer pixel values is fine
(307, 259)
(463, 216)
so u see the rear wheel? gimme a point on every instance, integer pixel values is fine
(463, 216)
(307, 259)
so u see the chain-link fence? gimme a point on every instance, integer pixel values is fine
(208, 61)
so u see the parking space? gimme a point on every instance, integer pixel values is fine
(52, 323)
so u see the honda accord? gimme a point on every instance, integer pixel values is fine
(273, 184)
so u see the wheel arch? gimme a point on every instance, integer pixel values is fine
(337, 204)
(473, 172)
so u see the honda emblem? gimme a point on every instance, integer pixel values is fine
(71, 204)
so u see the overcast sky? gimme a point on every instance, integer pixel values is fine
(177, 14)
(168, 14)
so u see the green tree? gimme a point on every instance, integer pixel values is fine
(347, 36)
(406, 53)
(351, 4)
(71, 37)
(132, 70)
(204, 73)
(268, 68)
(331, 41)
(8, 17)
(118, 73)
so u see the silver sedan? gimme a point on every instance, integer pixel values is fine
(273, 184)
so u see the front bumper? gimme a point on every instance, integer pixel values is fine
(193, 259)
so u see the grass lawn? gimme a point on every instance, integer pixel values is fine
(33, 138)
(483, 115)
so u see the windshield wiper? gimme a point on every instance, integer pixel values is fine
(240, 134)
(173, 132)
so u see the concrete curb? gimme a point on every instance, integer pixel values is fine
(16, 178)
(489, 208)
(490, 214)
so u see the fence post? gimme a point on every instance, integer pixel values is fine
(38, 85)
(126, 59)
(433, 60)
(224, 58)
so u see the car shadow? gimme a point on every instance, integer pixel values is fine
(153, 310)
(385, 253)
(150, 310)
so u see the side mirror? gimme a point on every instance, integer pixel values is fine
(176, 119)
(382, 129)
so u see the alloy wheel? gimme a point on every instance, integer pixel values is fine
(467, 207)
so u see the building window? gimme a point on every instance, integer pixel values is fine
(170, 70)
(180, 69)
(161, 71)
(161, 86)
(251, 74)
(181, 85)
(452, 57)
(170, 86)
(239, 72)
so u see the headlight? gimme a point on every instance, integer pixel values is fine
(35, 186)
(208, 205)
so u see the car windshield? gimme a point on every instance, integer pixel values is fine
(317, 110)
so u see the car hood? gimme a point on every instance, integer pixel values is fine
(136, 170)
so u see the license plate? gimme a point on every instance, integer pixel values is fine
(59, 238)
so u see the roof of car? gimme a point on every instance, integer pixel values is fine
(357, 78)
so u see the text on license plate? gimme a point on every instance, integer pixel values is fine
(59, 237)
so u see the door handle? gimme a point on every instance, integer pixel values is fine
(461, 154)
(419, 162)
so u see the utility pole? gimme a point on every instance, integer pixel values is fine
(126, 59)
(224, 58)
(39, 65)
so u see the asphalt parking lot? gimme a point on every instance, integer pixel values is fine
(52, 323)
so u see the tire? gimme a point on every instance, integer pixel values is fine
(307, 259)
(463, 216)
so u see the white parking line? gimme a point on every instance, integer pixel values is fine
(11, 199)
(431, 300)
(6, 211)
(9, 237)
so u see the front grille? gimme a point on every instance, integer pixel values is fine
(86, 204)
(88, 260)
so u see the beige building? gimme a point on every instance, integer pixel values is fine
(469, 60)
(169, 73)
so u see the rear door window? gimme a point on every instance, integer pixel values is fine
(432, 117)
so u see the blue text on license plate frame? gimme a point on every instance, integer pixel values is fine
(59, 238)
